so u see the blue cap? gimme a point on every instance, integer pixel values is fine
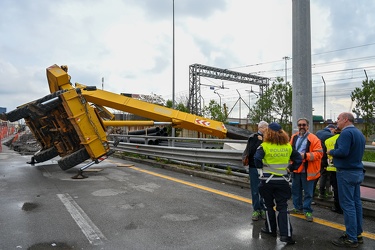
(274, 126)
(331, 126)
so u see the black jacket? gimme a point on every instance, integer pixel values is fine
(252, 144)
(323, 135)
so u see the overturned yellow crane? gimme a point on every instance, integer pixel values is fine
(71, 121)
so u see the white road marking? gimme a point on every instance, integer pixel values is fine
(89, 229)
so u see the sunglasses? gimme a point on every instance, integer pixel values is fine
(302, 125)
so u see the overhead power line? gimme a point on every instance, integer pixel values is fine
(326, 52)
(343, 80)
(354, 47)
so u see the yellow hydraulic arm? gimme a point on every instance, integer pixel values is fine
(58, 79)
(155, 112)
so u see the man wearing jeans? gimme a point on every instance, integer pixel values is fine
(252, 144)
(347, 158)
(310, 148)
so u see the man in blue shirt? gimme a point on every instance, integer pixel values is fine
(347, 158)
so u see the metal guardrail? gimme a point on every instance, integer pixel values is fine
(369, 180)
(196, 155)
(223, 157)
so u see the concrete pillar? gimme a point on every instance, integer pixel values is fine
(301, 53)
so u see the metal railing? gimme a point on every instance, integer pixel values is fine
(369, 180)
(221, 157)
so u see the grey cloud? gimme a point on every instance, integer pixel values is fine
(352, 23)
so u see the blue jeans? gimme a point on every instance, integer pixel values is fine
(348, 183)
(258, 203)
(300, 183)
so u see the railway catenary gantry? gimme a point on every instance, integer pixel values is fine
(198, 70)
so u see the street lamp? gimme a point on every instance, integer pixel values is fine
(251, 91)
(324, 101)
(173, 66)
(219, 97)
(173, 76)
(286, 67)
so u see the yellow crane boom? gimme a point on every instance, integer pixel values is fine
(71, 121)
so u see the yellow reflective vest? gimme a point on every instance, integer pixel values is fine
(330, 144)
(276, 158)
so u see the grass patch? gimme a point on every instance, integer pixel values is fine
(134, 155)
(369, 156)
(229, 171)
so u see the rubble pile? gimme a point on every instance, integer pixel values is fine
(24, 143)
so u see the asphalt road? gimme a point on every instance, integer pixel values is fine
(126, 205)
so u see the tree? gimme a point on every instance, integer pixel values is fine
(214, 112)
(365, 101)
(261, 110)
(275, 105)
(282, 96)
(180, 106)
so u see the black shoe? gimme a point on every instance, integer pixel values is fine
(288, 240)
(359, 238)
(337, 210)
(344, 242)
(266, 231)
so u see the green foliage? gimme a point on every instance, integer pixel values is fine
(275, 105)
(365, 102)
(214, 112)
(180, 106)
(229, 170)
(369, 156)
(162, 160)
(169, 103)
(133, 155)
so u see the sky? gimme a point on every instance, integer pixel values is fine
(129, 43)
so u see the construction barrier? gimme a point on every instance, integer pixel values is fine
(6, 129)
(3, 133)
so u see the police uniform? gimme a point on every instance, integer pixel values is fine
(273, 161)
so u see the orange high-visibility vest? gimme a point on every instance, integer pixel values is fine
(313, 156)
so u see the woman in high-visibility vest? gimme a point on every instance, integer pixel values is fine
(276, 159)
(330, 144)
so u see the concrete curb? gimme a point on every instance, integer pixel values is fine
(228, 179)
